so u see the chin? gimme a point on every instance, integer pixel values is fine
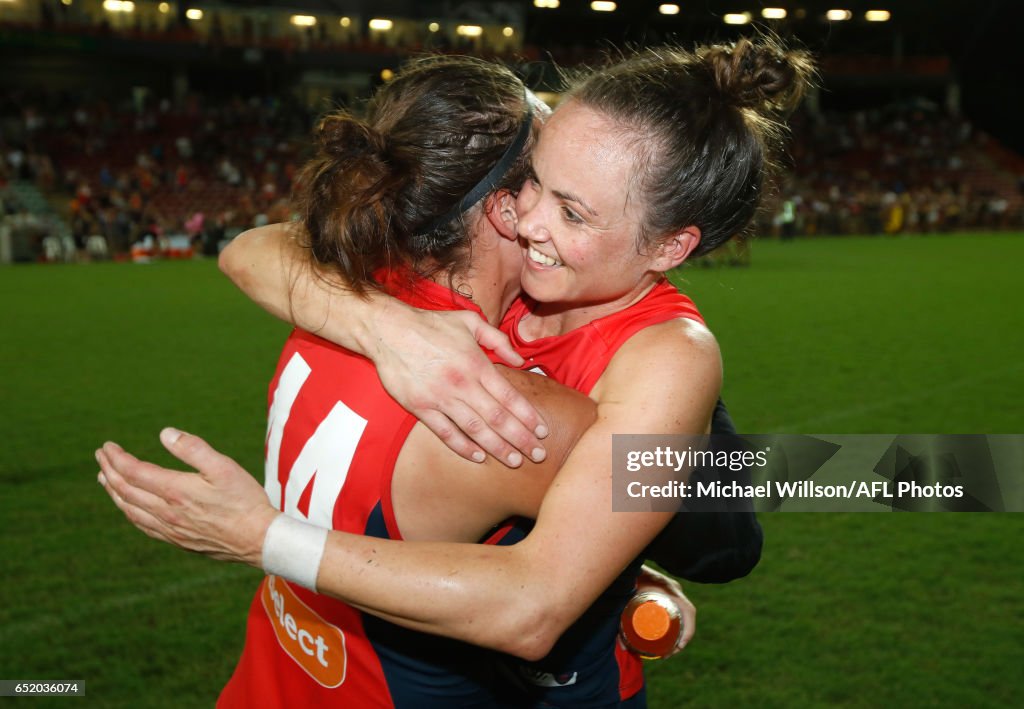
(542, 290)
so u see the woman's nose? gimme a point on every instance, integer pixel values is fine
(531, 224)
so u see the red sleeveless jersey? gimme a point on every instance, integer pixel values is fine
(589, 666)
(579, 357)
(333, 437)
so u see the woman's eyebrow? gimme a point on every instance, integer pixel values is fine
(570, 197)
(562, 195)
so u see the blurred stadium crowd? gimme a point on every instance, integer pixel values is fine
(89, 176)
(84, 176)
(907, 168)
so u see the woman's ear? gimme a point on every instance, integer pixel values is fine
(676, 249)
(500, 208)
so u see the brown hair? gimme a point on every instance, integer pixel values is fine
(708, 124)
(378, 190)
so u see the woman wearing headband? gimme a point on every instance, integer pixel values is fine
(660, 157)
(342, 454)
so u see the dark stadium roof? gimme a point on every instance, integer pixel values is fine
(959, 29)
(980, 37)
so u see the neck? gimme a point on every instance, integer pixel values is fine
(492, 278)
(550, 319)
(492, 292)
(484, 284)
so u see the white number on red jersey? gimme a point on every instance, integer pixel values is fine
(325, 457)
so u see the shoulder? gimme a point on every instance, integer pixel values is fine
(674, 345)
(672, 370)
(440, 495)
(678, 334)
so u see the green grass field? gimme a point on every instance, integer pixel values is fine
(915, 335)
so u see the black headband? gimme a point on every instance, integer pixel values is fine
(492, 178)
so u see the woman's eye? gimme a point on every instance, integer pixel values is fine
(571, 216)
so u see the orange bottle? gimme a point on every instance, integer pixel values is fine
(651, 624)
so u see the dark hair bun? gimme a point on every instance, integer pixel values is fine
(713, 121)
(374, 184)
(340, 135)
(758, 74)
(348, 191)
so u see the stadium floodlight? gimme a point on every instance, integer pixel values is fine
(546, 4)
(877, 15)
(508, 31)
(469, 30)
(381, 24)
(774, 13)
(433, 27)
(838, 15)
(303, 20)
(737, 18)
(164, 8)
(668, 9)
(194, 14)
(345, 21)
(603, 6)
(118, 5)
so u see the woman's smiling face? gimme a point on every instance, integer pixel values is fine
(580, 212)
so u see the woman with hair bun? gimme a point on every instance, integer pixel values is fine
(652, 160)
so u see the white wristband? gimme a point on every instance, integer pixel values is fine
(293, 549)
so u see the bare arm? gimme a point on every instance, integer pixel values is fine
(430, 362)
(531, 592)
(712, 546)
(223, 512)
(439, 496)
(518, 599)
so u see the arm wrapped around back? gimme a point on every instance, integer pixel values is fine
(711, 547)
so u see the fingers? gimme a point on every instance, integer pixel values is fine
(527, 425)
(652, 579)
(492, 414)
(137, 505)
(449, 382)
(494, 339)
(501, 406)
(224, 516)
(120, 489)
(466, 433)
(142, 519)
(689, 623)
(504, 393)
(136, 473)
(450, 435)
(483, 424)
(154, 518)
(196, 452)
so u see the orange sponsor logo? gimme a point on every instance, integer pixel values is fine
(317, 646)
